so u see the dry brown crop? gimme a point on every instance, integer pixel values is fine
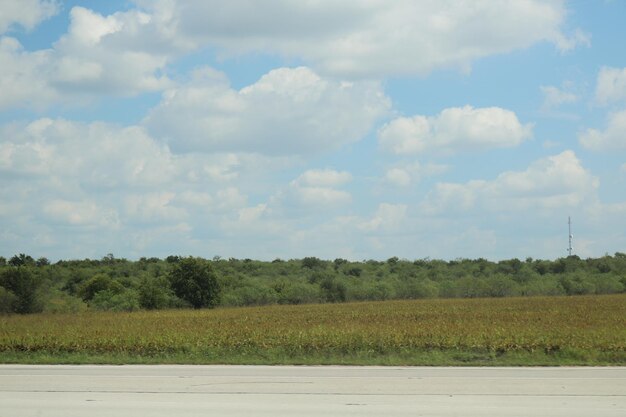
(545, 324)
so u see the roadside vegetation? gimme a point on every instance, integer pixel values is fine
(29, 285)
(582, 330)
(313, 311)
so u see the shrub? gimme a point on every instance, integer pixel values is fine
(7, 301)
(98, 283)
(109, 300)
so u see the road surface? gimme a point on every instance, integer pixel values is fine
(281, 391)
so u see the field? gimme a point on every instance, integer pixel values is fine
(580, 330)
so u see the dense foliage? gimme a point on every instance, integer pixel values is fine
(30, 285)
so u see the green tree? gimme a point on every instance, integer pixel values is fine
(42, 261)
(21, 260)
(25, 286)
(312, 262)
(193, 280)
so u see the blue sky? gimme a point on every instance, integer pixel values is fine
(355, 129)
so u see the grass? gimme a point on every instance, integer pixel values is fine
(589, 330)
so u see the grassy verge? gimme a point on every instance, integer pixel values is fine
(273, 357)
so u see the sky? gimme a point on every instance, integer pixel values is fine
(283, 129)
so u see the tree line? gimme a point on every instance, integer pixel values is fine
(29, 285)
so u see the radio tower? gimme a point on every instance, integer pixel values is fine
(569, 225)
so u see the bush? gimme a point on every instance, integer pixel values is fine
(418, 289)
(98, 283)
(501, 286)
(154, 293)
(60, 302)
(7, 301)
(250, 294)
(299, 293)
(312, 262)
(333, 291)
(608, 285)
(109, 300)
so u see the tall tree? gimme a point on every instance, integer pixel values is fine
(193, 280)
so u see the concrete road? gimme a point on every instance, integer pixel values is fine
(229, 391)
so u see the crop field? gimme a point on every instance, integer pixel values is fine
(540, 330)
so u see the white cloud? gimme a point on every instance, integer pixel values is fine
(95, 154)
(322, 196)
(62, 158)
(315, 188)
(613, 137)
(323, 178)
(407, 174)
(350, 39)
(121, 54)
(567, 43)
(454, 129)
(288, 111)
(398, 177)
(114, 188)
(555, 97)
(26, 13)
(153, 207)
(555, 182)
(611, 85)
(373, 38)
(23, 79)
(89, 57)
(81, 213)
(229, 199)
(388, 218)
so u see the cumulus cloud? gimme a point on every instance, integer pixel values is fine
(121, 54)
(23, 78)
(26, 13)
(95, 49)
(611, 85)
(613, 137)
(95, 154)
(114, 185)
(347, 39)
(374, 38)
(554, 182)
(287, 111)
(454, 129)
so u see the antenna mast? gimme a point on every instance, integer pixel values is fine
(569, 225)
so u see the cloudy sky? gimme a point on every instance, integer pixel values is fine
(278, 128)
